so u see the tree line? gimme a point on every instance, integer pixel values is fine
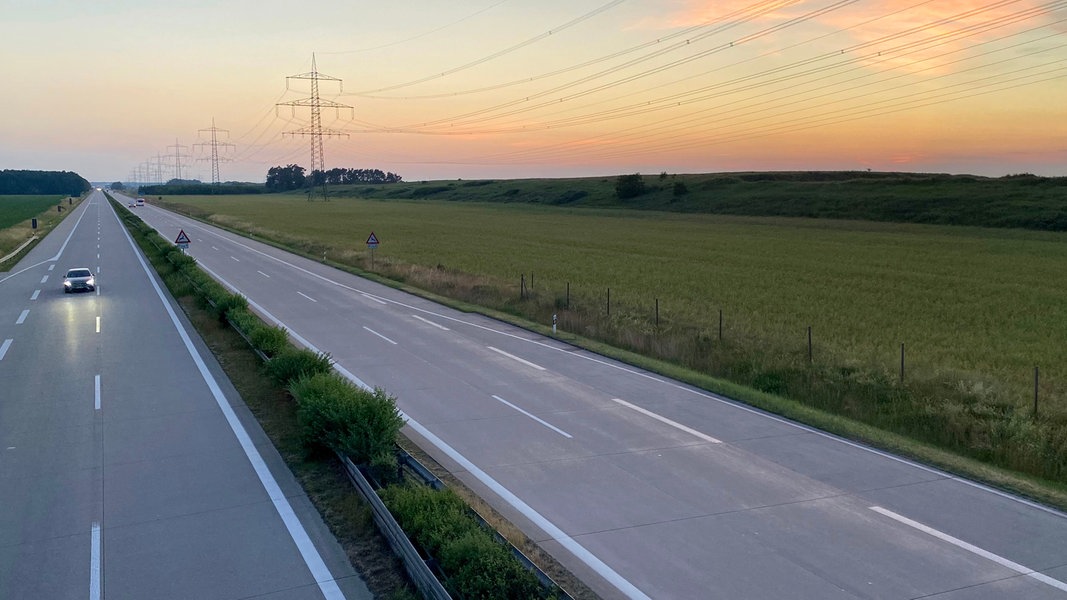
(15, 182)
(292, 177)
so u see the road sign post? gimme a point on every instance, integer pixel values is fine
(372, 245)
(182, 240)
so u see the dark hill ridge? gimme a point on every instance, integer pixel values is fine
(1014, 201)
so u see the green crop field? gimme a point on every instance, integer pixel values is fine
(977, 309)
(16, 209)
(15, 215)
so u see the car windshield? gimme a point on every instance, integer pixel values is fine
(79, 273)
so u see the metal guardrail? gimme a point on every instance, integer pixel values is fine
(417, 569)
(431, 480)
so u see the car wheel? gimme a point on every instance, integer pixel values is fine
(66, 291)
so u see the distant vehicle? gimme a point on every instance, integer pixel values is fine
(132, 205)
(140, 202)
(79, 279)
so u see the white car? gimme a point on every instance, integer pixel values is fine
(79, 279)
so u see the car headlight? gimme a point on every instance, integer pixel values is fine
(66, 283)
(90, 281)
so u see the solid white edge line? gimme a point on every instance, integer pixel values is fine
(1000, 560)
(557, 534)
(535, 418)
(516, 358)
(319, 571)
(4, 347)
(663, 419)
(96, 392)
(94, 563)
(379, 335)
(308, 297)
(22, 317)
(429, 322)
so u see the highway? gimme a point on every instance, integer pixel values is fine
(643, 486)
(129, 467)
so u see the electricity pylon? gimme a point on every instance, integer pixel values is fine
(215, 144)
(315, 130)
(177, 156)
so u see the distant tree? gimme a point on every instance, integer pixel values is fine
(281, 179)
(42, 182)
(629, 186)
(118, 185)
(339, 176)
(680, 189)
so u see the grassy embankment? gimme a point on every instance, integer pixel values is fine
(1018, 201)
(16, 214)
(976, 308)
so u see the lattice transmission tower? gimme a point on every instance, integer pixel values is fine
(315, 130)
(177, 156)
(215, 144)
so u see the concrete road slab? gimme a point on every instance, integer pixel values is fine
(55, 567)
(1019, 586)
(590, 495)
(839, 465)
(217, 554)
(151, 438)
(152, 489)
(997, 524)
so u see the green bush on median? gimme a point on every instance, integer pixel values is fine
(474, 563)
(228, 303)
(270, 340)
(291, 364)
(358, 423)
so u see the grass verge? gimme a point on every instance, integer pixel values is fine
(16, 214)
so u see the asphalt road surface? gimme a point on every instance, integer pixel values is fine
(129, 468)
(643, 486)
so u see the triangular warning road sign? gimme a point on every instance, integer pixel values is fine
(372, 240)
(182, 238)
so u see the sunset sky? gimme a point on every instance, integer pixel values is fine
(513, 88)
